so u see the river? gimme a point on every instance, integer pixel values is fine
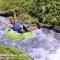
(44, 45)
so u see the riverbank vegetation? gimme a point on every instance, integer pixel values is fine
(9, 53)
(46, 11)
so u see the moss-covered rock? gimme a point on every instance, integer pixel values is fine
(10, 53)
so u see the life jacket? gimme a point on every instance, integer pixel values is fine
(16, 26)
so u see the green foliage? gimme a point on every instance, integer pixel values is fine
(45, 8)
(25, 16)
(36, 8)
(17, 54)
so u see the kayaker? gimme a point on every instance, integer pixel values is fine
(22, 28)
(16, 25)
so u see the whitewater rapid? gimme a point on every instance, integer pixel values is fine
(45, 45)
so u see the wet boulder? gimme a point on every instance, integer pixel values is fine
(57, 28)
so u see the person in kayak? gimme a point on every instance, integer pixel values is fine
(20, 28)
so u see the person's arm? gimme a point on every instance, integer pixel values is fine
(14, 14)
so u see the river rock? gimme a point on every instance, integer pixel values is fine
(46, 26)
(57, 28)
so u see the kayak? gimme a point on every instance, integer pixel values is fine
(15, 35)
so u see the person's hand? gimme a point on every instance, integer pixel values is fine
(12, 10)
(22, 30)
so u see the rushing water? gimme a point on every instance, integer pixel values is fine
(45, 45)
